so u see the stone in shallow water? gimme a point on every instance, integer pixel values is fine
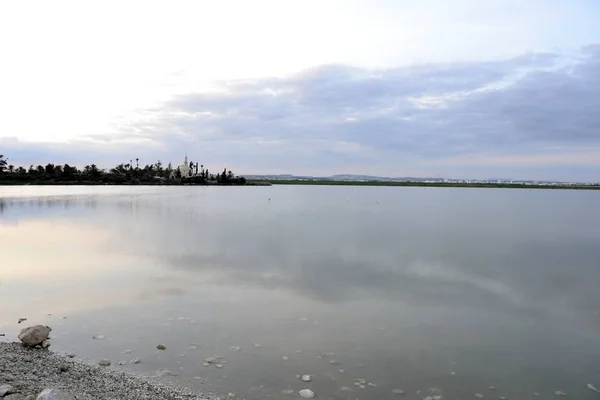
(55, 394)
(126, 351)
(306, 378)
(334, 362)
(346, 389)
(219, 365)
(161, 347)
(397, 391)
(135, 361)
(104, 362)
(492, 388)
(21, 320)
(98, 337)
(165, 372)
(479, 395)
(287, 391)
(559, 393)
(285, 358)
(306, 394)
(592, 388)
(34, 335)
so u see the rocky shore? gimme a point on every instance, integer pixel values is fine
(30, 373)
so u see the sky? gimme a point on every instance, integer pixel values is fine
(424, 88)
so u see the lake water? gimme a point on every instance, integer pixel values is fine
(406, 288)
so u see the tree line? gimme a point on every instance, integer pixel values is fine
(124, 173)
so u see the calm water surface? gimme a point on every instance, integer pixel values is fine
(407, 288)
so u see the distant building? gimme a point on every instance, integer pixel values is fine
(185, 169)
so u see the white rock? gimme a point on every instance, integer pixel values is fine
(55, 394)
(285, 358)
(306, 378)
(34, 335)
(210, 360)
(592, 388)
(334, 362)
(235, 348)
(45, 344)
(479, 395)
(371, 384)
(306, 394)
(5, 389)
(559, 393)
(126, 351)
(257, 345)
(135, 361)
(219, 365)
(98, 337)
(104, 362)
(287, 391)
(346, 389)
(397, 391)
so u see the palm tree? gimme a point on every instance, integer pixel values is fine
(137, 163)
(11, 168)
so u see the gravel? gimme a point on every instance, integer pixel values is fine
(31, 371)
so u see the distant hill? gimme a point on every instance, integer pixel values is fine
(358, 178)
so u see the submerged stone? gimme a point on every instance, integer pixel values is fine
(306, 394)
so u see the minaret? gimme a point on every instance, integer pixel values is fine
(185, 162)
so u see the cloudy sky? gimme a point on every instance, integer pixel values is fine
(456, 88)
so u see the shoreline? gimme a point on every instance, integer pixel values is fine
(30, 371)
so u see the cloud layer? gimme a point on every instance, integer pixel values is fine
(532, 116)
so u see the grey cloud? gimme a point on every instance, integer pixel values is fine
(338, 118)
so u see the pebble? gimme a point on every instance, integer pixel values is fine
(285, 358)
(235, 348)
(126, 351)
(479, 395)
(219, 365)
(346, 389)
(135, 361)
(287, 391)
(5, 389)
(559, 393)
(21, 320)
(161, 347)
(492, 388)
(371, 384)
(592, 388)
(38, 370)
(98, 337)
(256, 345)
(306, 394)
(104, 362)
(306, 378)
(210, 360)
(397, 391)
(55, 394)
(334, 362)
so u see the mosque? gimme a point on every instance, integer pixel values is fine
(185, 169)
